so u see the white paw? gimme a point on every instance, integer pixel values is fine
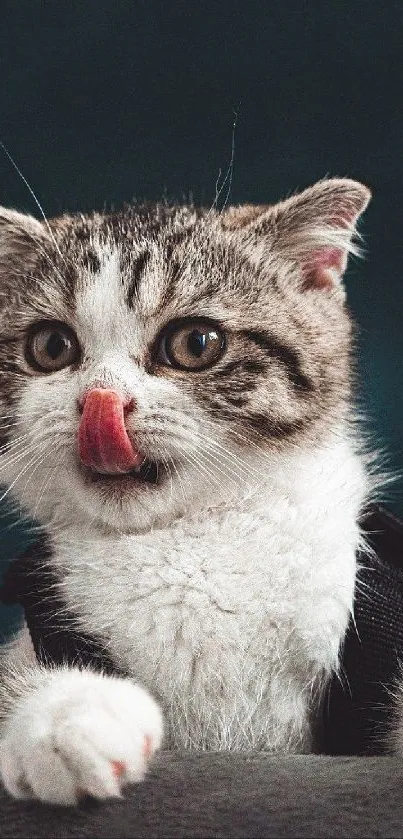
(79, 733)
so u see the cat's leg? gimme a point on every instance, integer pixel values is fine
(67, 732)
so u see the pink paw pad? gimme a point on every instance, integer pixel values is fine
(118, 768)
(147, 746)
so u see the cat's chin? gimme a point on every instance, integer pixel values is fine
(128, 506)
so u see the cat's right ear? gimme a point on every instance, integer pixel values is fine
(18, 229)
(20, 238)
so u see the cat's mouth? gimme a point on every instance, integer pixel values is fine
(149, 473)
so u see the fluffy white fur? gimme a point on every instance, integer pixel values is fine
(233, 618)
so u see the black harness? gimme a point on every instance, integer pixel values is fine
(33, 583)
(357, 710)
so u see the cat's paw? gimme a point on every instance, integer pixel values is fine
(79, 733)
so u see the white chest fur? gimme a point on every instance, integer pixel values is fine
(232, 618)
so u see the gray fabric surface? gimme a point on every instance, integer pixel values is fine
(219, 795)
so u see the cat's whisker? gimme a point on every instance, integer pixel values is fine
(249, 475)
(12, 445)
(225, 469)
(45, 486)
(20, 474)
(15, 438)
(16, 458)
(22, 519)
(39, 464)
(249, 442)
(179, 480)
(239, 465)
(6, 427)
(230, 479)
(234, 463)
(195, 463)
(167, 469)
(208, 467)
(13, 416)
(15, 452)
(167, 466)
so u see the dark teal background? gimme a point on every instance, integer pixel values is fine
(102, 101)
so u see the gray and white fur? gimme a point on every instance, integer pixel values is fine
(225, 586)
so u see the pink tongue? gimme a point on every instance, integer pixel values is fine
(103, 441)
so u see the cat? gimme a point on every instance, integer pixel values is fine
(177, 414)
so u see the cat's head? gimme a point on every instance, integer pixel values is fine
(150, 359)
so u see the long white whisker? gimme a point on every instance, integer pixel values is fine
(46, 484)
(13, 444)
(40, 462)
(199, 461)
(20, 455)
(179, 480)
(20, 474)
(216, 462)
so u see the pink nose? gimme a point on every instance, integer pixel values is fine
(103, 442)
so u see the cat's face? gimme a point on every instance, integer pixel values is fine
(150, 359)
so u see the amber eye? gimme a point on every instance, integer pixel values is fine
(192, 344)
(51, 346)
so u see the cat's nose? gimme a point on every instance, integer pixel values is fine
(103, 442)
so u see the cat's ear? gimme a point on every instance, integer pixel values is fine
(315, 230)
(18, 232)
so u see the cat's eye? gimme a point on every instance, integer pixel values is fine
(192, 344)
(51, 346)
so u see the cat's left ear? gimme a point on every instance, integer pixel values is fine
(316, 229)
(17, 228)
(20, 237)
